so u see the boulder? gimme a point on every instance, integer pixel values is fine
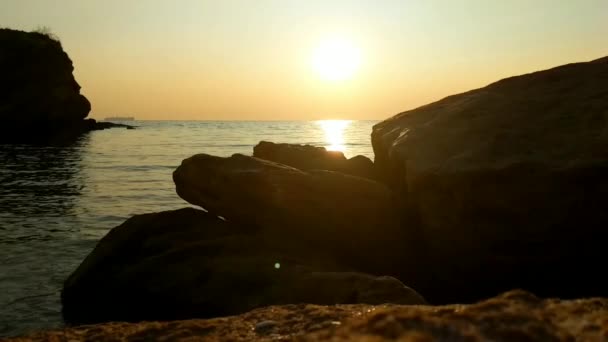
(40, 100)
(350, 218)
(513, 316)
(190, 264)
(506, 184)
(307, 157)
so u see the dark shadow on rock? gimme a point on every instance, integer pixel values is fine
(190, 264)
(308, 157)
(351, 218)
(505, 186)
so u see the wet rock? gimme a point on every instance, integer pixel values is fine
(351, 218)
(507, 184)
(513, 316)
(265, 327)
(307, 157)
(190, 264)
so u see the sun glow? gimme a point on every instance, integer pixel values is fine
(336, 59)
(334, 133)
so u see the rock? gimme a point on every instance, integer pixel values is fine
(40, 100)
(360, 166)
(307, 157)
(350, 218)
(513, 316)
(507, 184)
(265, 327)
(106, 125)
(99, 288)
(190, 264)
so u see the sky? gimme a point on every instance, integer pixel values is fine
(255, 60)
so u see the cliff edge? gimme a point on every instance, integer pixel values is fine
(40, 100)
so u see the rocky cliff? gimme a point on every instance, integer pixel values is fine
(40, 100)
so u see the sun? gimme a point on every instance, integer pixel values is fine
(336, 59)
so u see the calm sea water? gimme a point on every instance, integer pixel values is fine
(57, 202)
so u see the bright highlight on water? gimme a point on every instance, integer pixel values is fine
(334, 133)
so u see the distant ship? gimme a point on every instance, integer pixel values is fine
(119, 118)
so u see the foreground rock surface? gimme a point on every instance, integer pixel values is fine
(350, 218)
(507, 184)
(307, 157)
(40, 101)
(513, 316)
(190, 264)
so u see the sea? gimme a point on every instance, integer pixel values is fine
(56, 202)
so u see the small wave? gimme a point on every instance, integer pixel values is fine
(61, 201)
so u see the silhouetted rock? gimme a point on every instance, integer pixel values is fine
(106, 125)
(187, 264)
(507, 185)
(351, 218)
(40, 100)
(307, 157)
(513, 316)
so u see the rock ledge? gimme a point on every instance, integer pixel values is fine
(512, 316)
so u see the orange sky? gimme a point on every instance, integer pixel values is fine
(246, 60)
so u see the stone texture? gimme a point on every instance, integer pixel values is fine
(513, 316)
(507, 184)
(190, 264)
(350, 218)
(307, 157)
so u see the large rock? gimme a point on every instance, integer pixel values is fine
(351, 218)
(307, 157)
(507, 184)
(40, 100)
(513, 316)
(190, 264)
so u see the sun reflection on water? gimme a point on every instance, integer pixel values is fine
(334, 133)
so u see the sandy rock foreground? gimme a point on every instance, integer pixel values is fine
(512, 316)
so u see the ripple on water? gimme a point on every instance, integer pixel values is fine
(57, 202)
